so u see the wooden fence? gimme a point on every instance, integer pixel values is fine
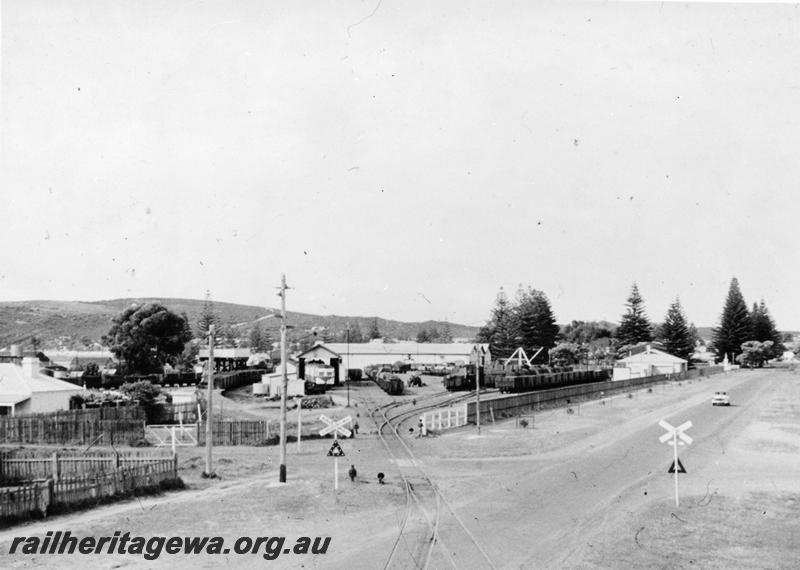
(28, 465)
(237, 432)
(121, 425)
(38, 497)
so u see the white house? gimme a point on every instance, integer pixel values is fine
(24, 390)
(649, 362)
(344, 356)
(271, 383)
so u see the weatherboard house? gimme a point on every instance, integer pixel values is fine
(649, 362)
(350, 356)
(25, 390)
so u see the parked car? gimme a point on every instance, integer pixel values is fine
(720, 399)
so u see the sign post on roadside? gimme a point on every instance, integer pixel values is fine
(336, 451)
(673, 435)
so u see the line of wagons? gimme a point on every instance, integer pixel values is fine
(522, 379)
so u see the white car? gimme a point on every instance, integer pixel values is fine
(720, 399)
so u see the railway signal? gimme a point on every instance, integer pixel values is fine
(672, 436)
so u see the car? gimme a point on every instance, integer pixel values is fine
(720, 399)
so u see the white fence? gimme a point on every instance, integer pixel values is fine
(172, 435)
(445, 418)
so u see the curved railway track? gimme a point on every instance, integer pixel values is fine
(430, 535)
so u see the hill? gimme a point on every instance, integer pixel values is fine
(79, 324)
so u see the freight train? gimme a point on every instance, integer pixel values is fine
(524, 379)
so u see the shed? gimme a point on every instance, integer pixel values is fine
(650, 362)
(24, 390)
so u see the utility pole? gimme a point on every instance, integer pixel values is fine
(478, 389)
(284, 382)
(209, 409)
(347, 365)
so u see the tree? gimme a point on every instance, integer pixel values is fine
(208, 317)
(423, 336)
(674, 333)
(567, 354)
(755, 354)
(634, 326)
(260, 340)
(734, 327)
(374, 332)
(763, 329)
(446, 333)
(148, 336)
(353, 334)
(582, 332)
(536, 323)
(500, 331)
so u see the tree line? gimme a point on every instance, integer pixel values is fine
(748, 337)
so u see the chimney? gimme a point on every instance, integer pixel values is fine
(30, 367)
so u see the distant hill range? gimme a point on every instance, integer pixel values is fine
(78, 324)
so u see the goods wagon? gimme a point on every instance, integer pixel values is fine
(542, 378)
(392, 385)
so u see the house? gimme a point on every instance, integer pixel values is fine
(272, 382)
(649, 362)
(77, 360)
(25, 390)
(349, 356)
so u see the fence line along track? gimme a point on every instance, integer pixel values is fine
(433, 502)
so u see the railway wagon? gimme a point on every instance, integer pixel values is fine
(541, 379)
(463, 378)
(392, 385)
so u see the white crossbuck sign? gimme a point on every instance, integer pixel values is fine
(675, 432)
(672, 436)
(335, 427)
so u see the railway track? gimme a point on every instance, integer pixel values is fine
(430, 535)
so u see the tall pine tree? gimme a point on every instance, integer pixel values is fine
(763, 329)
(208, 317)
(734, 327)
(536, 323)
(634, 326)
(500, 331)
(675, 334)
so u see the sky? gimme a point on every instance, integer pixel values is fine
(404, 160)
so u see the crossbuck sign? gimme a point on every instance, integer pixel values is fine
(336, 428)
(674, 434)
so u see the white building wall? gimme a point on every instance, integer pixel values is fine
(42, 402)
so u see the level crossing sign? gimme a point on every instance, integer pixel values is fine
(336, 427)
(336, 450)
(675, 433)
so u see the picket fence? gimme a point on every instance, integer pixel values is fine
(237, 432)
(38, 497)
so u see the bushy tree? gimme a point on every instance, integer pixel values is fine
(754, 354)
(446, 334)
(423, 336)
(500, 332)
(536, 323)
(735, 324)
(567, 354)
(674, 333)
(259, 339)
(582, 332)
(148, 336)
(353, 334)
(634, 326)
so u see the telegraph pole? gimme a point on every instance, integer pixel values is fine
(347, 365)
(284, 382)
(209, 431)
(478, 390)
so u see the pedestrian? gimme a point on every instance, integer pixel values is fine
(380, 478)
(355, 428)
(421, 425)
(352, 472)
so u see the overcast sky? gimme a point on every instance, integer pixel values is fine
(400, 159)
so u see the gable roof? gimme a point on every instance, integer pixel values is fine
(653, 355)
(15, 387)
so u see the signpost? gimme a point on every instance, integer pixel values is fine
(336, 428)
(672, 436)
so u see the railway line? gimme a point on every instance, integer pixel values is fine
(430, 535)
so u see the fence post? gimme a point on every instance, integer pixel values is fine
(54, 465)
